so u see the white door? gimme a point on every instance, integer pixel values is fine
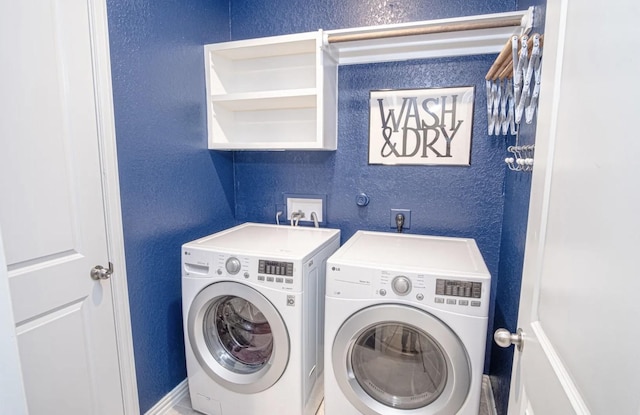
(52, 211)
(12, 393)
(581, 286)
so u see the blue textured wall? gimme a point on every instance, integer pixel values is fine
(257, 18)
(514, 232)
(173, 189)
(452, 201)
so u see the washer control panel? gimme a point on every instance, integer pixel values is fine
(275, 268)
(267, 272)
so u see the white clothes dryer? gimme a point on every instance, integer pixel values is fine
(253, 307)
(405, 325)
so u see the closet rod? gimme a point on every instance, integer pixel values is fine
(515, 21)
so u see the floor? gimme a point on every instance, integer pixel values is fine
(487, 407)
(184, 408)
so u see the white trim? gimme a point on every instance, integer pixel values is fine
(570, 389)
(548, 160)
(111, 191)
(170, 400)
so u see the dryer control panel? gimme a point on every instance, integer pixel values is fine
(467, 295)
(458, 295)
(457, 288)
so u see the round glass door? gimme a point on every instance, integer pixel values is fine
(396, 359)
(237, 334)
(238, 337)
(399, 366)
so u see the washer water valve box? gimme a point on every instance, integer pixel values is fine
(300, 207)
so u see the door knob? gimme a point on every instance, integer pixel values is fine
(504, 338)
(101, 273)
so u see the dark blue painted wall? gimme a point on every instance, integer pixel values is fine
(172, 188)
(452, 201)
(257, 18)
(514, 230)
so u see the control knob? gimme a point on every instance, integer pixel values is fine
(233, 265)
(401, 285)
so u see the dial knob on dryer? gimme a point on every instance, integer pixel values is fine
(401, 285)
(233, 265)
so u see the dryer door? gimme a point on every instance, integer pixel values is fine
(238, 337)
(397, 359)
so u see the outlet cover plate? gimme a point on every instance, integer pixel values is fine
(407, 218)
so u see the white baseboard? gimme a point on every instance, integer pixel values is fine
(170, 400)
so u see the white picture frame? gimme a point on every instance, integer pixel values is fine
(430, 126)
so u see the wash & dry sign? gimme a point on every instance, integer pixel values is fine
(421, 126)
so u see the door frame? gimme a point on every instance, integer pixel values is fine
(111, 196)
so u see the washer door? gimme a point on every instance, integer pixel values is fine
(238, 337)
(397, 359)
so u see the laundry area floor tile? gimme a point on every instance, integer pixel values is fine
(487, 405)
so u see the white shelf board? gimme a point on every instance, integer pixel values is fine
(283, 45)
(451, 43)
(270, 146)
(268, 100)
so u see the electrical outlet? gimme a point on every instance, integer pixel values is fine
(407, 218)
(304, 206)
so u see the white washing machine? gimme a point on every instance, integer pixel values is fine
(405, 325)
(253, 319)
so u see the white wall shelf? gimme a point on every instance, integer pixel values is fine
(273, 93)
(280, 92)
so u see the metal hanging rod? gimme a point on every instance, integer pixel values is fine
(458, 36)
(508, 21)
